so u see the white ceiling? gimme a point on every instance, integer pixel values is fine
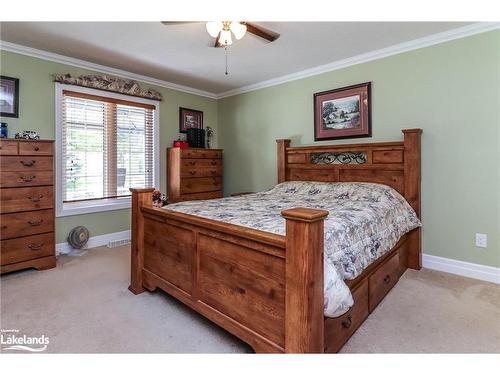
(182, 54)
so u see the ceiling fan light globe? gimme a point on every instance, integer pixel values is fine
(225, 38)
(214, 28)
(239, 30)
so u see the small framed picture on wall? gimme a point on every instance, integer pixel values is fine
(190, 118)
(9, 97)
(343, 113)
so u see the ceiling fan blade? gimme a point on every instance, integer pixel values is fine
(173, 23)
(217, 44)
(268, 35)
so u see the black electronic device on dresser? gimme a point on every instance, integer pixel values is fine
(196, 137)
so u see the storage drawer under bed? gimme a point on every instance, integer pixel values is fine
(383, 279)
(339, 330)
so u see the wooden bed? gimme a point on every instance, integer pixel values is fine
(264, 288)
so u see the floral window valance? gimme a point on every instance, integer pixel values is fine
(107, 83)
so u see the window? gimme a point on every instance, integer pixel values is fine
(106, 144)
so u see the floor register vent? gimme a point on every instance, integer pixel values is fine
(117, 243)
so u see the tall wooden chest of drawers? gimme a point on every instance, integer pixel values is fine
(26, 205)
(194, 173)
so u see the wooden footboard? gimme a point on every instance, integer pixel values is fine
(264, 288)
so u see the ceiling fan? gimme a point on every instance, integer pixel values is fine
(223, 31)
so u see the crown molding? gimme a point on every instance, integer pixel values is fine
(49, 56)
(396, 49)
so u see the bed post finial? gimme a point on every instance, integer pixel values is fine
(282, 145)
(304, 327)
(140, 198)
(412, 192)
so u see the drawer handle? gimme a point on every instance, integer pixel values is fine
(35, 247)
(387, 279)
(213, 172)
(37, 148)
(35, 223)
(346, 323)
(28, 163)
(27, 178)
(192, 163)
(213, 162)
(35, 199)
(192, 173)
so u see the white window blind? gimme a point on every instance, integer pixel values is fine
(107, 146)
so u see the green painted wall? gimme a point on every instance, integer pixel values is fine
(37, 112)
(451, 90)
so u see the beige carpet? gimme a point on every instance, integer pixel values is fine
(84, 306)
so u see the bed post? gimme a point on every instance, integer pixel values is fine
(304, 327)
(282, 144)
(140, 198)
(412, 192)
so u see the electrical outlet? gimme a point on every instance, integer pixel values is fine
(481, 240)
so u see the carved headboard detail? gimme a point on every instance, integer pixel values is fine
(396, 164)
(346, 157)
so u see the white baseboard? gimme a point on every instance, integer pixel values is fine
(457, 267)
(95, 241)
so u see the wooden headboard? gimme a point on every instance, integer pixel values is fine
(396, 164)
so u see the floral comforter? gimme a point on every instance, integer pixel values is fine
(365, 221)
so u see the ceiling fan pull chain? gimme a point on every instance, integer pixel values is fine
(225, 50)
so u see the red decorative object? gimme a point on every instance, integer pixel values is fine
(159, 199)
(181, 144)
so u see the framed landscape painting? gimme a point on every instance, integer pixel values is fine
(190, 118)
(343, 113)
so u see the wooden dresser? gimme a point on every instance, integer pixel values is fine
(26, 205)
(194, 173)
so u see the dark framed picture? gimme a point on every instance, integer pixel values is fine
(343, 113)
(190, 118)
(9, 96)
